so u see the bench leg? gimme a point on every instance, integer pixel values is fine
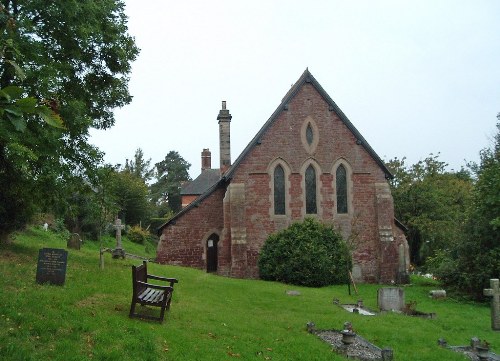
(132, 309)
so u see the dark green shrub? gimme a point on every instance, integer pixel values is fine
(306, 254)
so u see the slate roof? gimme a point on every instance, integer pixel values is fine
(306, 77)
(202, 183)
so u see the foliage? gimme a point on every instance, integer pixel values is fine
(472, 262)
(307, 253)
(73, 59)
(76, 54)
(431, 202)
(139, 167)
(138, 235)
(89, 206)
(131, 196)
(209, 317)
(170, 174)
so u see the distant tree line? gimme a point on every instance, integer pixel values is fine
(137, 192)
(453, 218)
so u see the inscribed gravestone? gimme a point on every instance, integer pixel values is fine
(494, 292)
(51, 266)
(391, 299)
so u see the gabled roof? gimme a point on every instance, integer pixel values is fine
(305, 78)
(204, 181)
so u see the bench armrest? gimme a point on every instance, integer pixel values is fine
(159, 278)
(157, 287)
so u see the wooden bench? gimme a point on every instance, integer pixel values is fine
(150, 294)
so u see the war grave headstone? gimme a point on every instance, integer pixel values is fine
(391, 299)
(51, 267)
(494, 292)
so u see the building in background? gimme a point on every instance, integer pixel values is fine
(308, 160)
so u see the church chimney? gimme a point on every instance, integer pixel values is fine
(224, 119)
(206, 160)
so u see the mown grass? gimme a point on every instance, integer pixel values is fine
(211, 317)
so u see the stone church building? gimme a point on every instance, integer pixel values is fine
(307, 160)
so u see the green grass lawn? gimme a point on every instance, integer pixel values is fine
(211, 317)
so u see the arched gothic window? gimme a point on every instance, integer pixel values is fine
(279, 190)
(341, 187)
(310, 182)
(309, 134)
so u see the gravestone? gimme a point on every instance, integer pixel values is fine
(51, 266)
(435, 294)
(402, 277)
(391, 299)
(118, 251)
(494, 292)
(74, 241)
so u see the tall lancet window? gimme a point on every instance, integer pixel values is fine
(341, 183)
(279, 190)
(310, 181)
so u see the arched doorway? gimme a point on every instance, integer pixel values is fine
(212, 242)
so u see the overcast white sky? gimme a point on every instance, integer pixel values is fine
(414, 77)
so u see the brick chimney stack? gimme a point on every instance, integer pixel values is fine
(224, 119)
(206, 160)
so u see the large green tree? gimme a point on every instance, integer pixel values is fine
(132, 197)
(75, 56)
(470, 263)
(171, 172)
(431, 202)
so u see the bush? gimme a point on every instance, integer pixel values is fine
(137, 235)
(306, 254)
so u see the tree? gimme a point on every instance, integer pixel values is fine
(431, 202)
(76, 59)
(470, 264)
(131, 196)
(170, 174)
(139, 167)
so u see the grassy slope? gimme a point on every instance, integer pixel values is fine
(211, 318)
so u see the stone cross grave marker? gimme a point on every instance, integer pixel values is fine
(51, 267)
(391, 299)
(494, 292)
(118, 251)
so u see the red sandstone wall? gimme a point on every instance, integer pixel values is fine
(183, 243)
(283, 139)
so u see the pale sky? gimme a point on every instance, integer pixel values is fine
(414, 77)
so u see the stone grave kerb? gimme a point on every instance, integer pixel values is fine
(494, 292)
